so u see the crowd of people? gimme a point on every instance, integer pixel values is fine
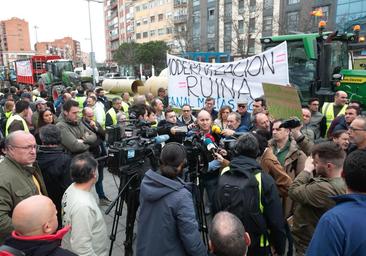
(272, 190)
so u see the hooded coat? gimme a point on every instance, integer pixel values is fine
(167, 223)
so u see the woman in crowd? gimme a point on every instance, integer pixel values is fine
(221, 121)
(45, 117)
(341, 137)
(165, 199)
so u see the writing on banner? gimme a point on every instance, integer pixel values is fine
(24, 68)
(190, 82)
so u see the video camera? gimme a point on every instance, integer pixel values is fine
(132, 144)
(291, 123)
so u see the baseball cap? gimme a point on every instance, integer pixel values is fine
(41, 101)
(242, 102)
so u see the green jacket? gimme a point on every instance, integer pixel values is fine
(312, 198)
(16, 184)
(71, 133)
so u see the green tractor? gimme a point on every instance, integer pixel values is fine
(321, 63)
(60, 75)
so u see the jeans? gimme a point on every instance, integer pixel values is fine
(99, 184)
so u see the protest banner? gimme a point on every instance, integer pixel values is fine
(190, 82)
(282, 101)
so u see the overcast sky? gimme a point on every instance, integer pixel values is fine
(59, 18)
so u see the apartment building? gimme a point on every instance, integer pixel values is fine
(233, 26)
(66, 47)
(142, 21)
(14, 40)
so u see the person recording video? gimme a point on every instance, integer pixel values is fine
(171, 127)
(166, 199)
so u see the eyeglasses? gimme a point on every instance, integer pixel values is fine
(29, 147)
(184, 110)
(353, 129)
(242, 106)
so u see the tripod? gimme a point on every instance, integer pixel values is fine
(129, 193)
(196, 168)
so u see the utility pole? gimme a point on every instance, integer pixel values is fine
(92, 54)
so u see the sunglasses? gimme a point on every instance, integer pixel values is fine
(242, 106)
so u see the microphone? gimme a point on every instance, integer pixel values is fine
(210, 145)
(216, 129)
(145, 123)
(160, 139)
(209, 136)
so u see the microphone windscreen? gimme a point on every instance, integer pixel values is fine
(207, 141)
(216, 129)
(209, 136)
(161, 138)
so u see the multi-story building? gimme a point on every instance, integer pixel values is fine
(350, 13)
(233, 26)
(142, 21)
(66, 48)
(14, 40)
(298, 16)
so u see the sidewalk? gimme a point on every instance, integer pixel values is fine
(110, 185)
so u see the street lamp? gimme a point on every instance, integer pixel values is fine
(92, 55)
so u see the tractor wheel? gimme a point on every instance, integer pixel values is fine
(87, 86)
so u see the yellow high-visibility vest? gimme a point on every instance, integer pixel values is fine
(11, 119)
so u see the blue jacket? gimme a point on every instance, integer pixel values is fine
(342, 229)
(167, 222)
(245, 121)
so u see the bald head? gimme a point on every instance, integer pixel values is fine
(227, 236)
(340, 98)
(204, 120)
(21, 147)
(36, 215)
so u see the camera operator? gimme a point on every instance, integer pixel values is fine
(170, 126)
(167, 223)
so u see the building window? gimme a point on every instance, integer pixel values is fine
(227, 46)
(169, 30)
(240, 44)
(152, 19)
(160, 31)
(145, 21)
(138, 36)
(267, 24)
(251, 46)
(293, 2)
(138, 23)
(251, 25)
(241, 6)
(292, 21)
(268, 4)
(241, 26)
(252, 5)
(152, 33)
(144, 35)
(137, 8)
(160, 17)
(211, 14)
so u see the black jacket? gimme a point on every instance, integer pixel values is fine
(54, 163)
(272, 208)
(47, 245)
(164, 128)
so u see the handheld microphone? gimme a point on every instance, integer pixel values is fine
(210, 145)
(161, 138)
(209, 136)
(216, 129)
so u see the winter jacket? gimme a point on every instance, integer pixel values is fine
(294, 164)
(16, 184)
(46, 245)
(71, 133)
(54, 163)
(270, 164)
(271, 202)
(312, 199)
(341, 230)
(167, 222)
(164, 128)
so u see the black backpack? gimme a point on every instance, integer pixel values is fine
(240, 193)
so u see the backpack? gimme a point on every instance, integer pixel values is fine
(240, 194)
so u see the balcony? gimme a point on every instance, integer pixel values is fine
(180, 19)
(180, 3)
